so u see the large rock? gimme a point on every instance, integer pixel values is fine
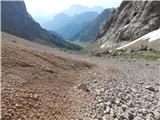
(130, 21)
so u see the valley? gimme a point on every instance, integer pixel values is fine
(85, 63)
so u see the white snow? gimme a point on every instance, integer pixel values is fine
(150, 40)
(103, 45)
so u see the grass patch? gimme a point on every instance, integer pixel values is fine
(82, 44)
(139, 54)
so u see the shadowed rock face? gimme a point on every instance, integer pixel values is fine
(17, 21)
(88, 34)
(130, 21)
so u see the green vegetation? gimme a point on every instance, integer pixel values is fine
(139, 54)
(81, 44)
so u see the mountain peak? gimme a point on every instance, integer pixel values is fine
(77, 9)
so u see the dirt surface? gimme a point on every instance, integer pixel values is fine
(42, 83)
(37, 84)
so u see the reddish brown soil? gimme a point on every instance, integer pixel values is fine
(37, 84)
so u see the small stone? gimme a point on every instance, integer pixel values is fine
(115, 118)
(122, 116)
(104, 118)
(141, 82)
(128, 97)
(9, 81)
(130, 116)
(18, 105)
(149, 117)
(137, 118)
(112, 113)
(127, 91)
(150, 88)
(157, 115)
(100, 100)
(35, 96)
(83, 87)
(117, 101)
(130, 104)
(133, 90)
(101, 105)
(124, 107)
(143, 112)
(157, 83)
(108, 104)
(107, 110)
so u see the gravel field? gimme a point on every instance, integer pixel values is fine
(124, 90)
(42, 83)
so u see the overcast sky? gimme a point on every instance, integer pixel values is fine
(56, 6)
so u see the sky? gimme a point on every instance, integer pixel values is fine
(49, 7)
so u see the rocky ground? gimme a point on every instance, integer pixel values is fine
(124, 90)
(41, 83)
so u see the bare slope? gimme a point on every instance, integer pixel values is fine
(36, 82)
(39, 82)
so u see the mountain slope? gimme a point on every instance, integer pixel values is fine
(17, 21)
(130, 21)
(76, 24)
(88, 34)
(58, 21)
(36, 80)
(148, 41)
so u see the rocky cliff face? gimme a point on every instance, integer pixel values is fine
(88, 34)
(17, 21)
(130, 21)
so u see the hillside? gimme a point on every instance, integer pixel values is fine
(88, 33)
(40, 82)
(130, 21)
(150, 41)
(57, 22)
(76, 24)
(36, 79)
(116, 78)
(17, 21)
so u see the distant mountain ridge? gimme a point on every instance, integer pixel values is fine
(59, 21)
(17, 21)
(78, 9)
(88, 34)
(62, 22)
(76, 24)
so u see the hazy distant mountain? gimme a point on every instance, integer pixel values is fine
(71, 29)
(76, 24)
(78, 9)
(16, 20)
(88, 34)
(65, 17)
(59, 21)
(41, 16)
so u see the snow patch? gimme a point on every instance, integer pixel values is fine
(150, 40)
